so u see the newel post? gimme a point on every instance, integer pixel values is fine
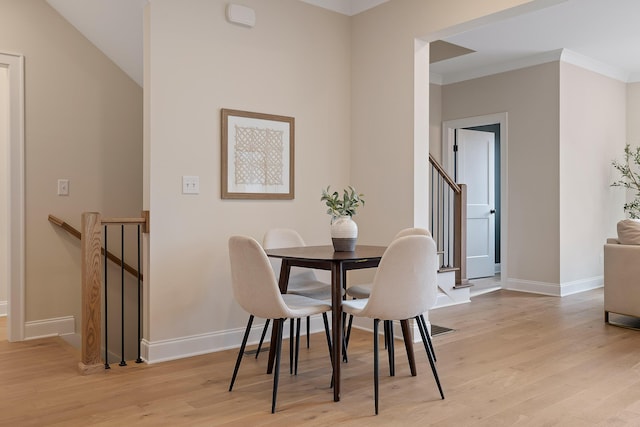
(460, 233)
(91, 243)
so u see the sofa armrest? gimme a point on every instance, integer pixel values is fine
(622, 279)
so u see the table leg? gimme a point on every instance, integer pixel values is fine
(283, 282)
(336, 311)
(408, 345)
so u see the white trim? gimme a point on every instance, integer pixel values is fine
(448, 128)
(3, 309)
(16, 262)
(591, 64)
(421, 141)
(49, 327)
(558, 55)
(349, 8)
(194, 345)
(554, 289)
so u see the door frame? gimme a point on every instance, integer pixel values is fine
(16, 206)
(448, 140)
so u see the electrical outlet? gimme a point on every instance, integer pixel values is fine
(190, 185)
(63, 187)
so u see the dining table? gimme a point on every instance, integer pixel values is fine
(338, 262)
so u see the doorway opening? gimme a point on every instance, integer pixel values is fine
(12, 193)
(476, 160)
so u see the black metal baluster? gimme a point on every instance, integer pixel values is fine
(439, 226)
(139, 359)
(106, 300)
(122, 361)
(432, 198)
(453, 228)
(448, 216)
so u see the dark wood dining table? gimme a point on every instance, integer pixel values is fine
(325, 258)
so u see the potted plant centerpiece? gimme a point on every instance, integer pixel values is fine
(344, 231)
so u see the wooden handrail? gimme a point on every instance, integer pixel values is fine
(112, 257)
(455, 187)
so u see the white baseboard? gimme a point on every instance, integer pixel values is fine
(3, 308)
(554, 289)
(49, 327)
(194, 345)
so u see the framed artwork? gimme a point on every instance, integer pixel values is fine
(257, 155)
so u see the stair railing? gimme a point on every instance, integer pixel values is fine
(93, 234)
(448, 205)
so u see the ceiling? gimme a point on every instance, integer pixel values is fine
(602, 35)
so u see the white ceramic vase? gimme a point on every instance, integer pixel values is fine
(344, 233)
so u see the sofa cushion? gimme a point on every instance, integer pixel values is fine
(629, 232)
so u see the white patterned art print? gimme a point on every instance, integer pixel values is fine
(257, 155)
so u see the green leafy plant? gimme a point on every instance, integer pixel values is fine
(347, 205)
(630, 178)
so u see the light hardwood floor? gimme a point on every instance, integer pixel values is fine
(515, 359)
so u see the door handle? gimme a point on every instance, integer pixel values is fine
(492, 211)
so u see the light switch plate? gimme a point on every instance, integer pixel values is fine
(63, 187)
(190, 184)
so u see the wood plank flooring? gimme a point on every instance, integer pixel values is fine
(514, 359)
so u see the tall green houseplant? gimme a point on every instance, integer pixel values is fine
(630, 178)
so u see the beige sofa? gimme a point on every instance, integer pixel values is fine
(621, 279)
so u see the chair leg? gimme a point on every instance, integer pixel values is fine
(423, 334)
(375, 362)
(424, 325)
(326, 331)
(264, 332)
(308, 329)
(291, 345)
(295, 370)
(349, 329)
(388, 327)
(241, 352)
(276, 372)
(345, 359)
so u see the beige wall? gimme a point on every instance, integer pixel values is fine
(435, 121)
(565, 124)
(83, 122)
(295, 62)
(592, 133)
(531, 98)
(4, 192)
(633, 114)
(633, 125)
(390, 124)
(354, 110)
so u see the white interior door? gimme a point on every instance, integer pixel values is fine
(476, 170)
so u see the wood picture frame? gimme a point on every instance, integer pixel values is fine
(257, 156)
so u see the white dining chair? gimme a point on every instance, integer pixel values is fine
(302, 281)
(364, 290)
(404, 287)
(256, 290)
